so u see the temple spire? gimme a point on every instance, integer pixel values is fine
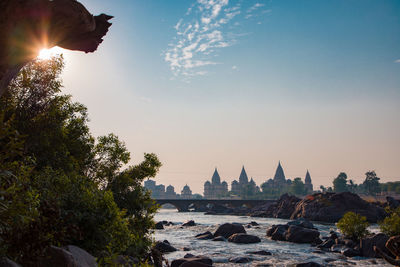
(279, 174)
(243, 179)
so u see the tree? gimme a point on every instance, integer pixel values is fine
(371, 183)
(340, 183)
(391, 224)
(353, 225)
(297, 187)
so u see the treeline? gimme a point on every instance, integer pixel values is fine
(61, 186)
(370, 186)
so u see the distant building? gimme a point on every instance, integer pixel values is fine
(186, 193)
(308, 184)
(244, 186)
(215, 189)
(157, 191)
(279, 182)
(170, 192)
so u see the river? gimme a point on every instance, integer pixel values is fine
(283, 253)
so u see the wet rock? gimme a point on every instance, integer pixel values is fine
(330, 207)
(186, 249)
(298, 234)
(349, 252)
(337, 248)
(260, 252)
(205, 236)
(6, 262)
(159, 226)
(278, 232)
(82, 257)
(326, 245)
(219, 238)
(244, 238)
(282, 208)
(240, 259)
(367, 245)
(302, 223)
(192, 261)
(189, 223)
(164, 247)
(248, 226)
(188, 255)
(253, 223)
(228, 229)
(309, 264)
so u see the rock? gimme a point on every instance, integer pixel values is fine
(167, 242)
(298, 234)
(206, 235)
(260, 252)
(6, 262)
(349, 252)
(330, 207)
(253, 223)
(278, 232)
(192, 261)
(82, 257)
(326, 245)
(164, 247)
(219, 238)
(189, 255)
(55, 256)
(159, 226)
(121, 261)
(309, 264)
(337, 248)
(244, 238)
(189, 223)
(228, 229)
(302, 223)
(240, 259)
(248, 226)
(186, 249)
(367, 245)
(283, 208)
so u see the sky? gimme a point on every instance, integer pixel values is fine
(218, 83)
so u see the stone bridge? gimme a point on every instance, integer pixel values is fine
(199, 204)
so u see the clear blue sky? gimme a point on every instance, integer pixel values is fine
(315, 84)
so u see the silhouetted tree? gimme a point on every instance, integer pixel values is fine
(371, 183)
(340, 183)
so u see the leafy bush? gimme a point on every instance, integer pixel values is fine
(58, 186)
(353, 225)
(391, 224)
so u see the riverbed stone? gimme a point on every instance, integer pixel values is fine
(228, 229)
(298, 234)
(219, 238)
(55, 256)
(240, 259)
(6, 262)
(367, 245)
(205, 236)
(302, 222)
(278, 232)
(260, 252)
(309, 264)
(189, 223)
(349, 252)
(244, 238)
(82, 257)
(164, 247)
(159, 226)
(192, 261)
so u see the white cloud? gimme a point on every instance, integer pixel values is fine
(205, 29)
(397, 61)
(234, 67)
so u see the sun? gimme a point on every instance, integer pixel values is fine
(46, 54)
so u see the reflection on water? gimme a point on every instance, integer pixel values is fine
(283, 253)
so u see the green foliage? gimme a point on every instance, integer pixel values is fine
(391, 224)
(58, 186)
(371, 183)
(353, 225)
(297, 187)
(340, 183)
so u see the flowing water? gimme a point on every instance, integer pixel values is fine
(283, 253)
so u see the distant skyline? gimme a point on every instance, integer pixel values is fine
(218, 83)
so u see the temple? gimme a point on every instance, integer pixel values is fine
(244, 186)
(215, 189)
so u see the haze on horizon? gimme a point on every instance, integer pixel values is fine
(218, 83)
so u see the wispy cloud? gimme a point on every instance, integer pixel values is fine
(397, 61)
(205, 29)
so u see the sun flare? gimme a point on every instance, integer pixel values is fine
(46, 54)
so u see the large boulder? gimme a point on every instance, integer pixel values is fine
(189, 223)
(278, 232)
(283, 208)
(297, 234)
(228, 229)
(240, 259)
(244, 238)
(164, 247)
(55, 256)
(204, 236)
(159, 225)
(367, 245)
(83, 258)
(330, 207)
(6, 262)
(302, 222)
(192, 261)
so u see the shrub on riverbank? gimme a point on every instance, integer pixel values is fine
(58, 185)
(391, 224)
(353, 225)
